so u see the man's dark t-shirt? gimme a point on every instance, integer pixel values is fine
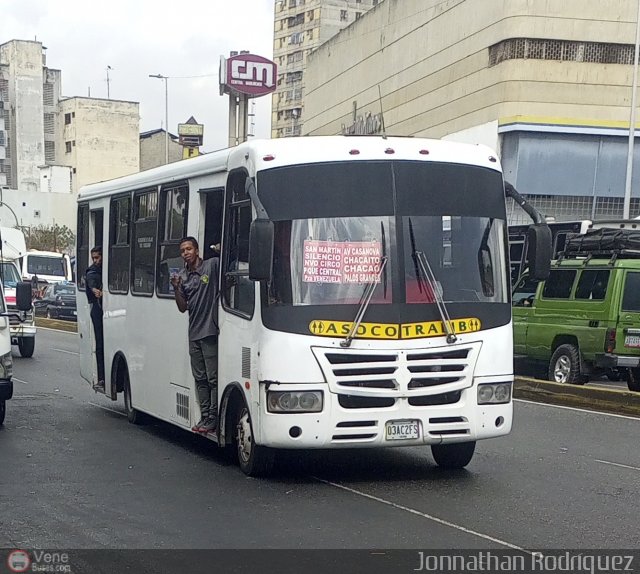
(200, 289)
(93, 280)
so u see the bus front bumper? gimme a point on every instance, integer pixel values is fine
(399, 425)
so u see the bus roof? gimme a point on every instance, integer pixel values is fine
(271, 153)
(55, 254)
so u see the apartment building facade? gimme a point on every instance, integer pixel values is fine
(546, 84)
(300, 26)
(51, 145)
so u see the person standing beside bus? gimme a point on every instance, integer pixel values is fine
(196, 290)
(93, 285)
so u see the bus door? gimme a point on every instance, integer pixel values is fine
(237, 291)
(90, 234)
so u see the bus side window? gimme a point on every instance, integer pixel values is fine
(173, 227)
(238, 290)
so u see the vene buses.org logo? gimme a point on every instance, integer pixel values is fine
(18, 561)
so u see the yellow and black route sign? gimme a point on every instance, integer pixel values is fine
(393, 330)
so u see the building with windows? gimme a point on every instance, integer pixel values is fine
(300, 26)
(545, 84)
(50, 145)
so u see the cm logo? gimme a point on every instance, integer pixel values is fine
(250, 74)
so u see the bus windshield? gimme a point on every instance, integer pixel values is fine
(329, 246)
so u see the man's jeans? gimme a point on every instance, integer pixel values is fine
(96, 319)
(204, 366)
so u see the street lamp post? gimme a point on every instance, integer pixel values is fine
(166, 113)
(632, 123)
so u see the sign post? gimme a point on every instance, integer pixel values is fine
(244, 76)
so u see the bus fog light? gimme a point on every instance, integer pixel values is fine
(294, 401)
(494, 393)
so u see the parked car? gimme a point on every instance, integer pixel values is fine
(584, 320)
(58, 302)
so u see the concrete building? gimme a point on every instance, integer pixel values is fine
(547, 84)
(50, 145)
(300, 26)
(152, 148)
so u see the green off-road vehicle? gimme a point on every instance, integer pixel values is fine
(584, 320)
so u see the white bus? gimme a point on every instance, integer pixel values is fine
(364, 293)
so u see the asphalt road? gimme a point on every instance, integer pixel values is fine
(75, 474)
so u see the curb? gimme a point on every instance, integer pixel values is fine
(69, 326)
(615, 401)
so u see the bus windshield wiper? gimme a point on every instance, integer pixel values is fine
(425, 274)
(365, 299)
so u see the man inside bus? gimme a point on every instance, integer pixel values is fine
(196, 290)
(93, 283)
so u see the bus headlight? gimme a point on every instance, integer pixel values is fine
(6, 366)
(494, 393)
(294, 401)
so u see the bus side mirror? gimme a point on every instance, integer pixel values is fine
(260, 250)
(23, 296)
(539, 251)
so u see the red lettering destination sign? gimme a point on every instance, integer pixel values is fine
(248, 74)
(341, 262)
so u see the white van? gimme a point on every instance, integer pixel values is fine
(22, 321)
(23, 305)
(47, 266)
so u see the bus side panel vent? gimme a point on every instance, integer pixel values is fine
(182, 406)
(246, 363)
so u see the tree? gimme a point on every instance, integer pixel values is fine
(50, 238)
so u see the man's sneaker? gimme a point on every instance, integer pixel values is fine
(210, 425)
(99, 386)
(198, 426)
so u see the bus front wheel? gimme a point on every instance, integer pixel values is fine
(253, 459)
(453, 456)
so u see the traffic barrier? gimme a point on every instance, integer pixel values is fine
(618, 401)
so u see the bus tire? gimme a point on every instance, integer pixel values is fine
(26, 346)
(134, 416)
(253, 459)
(454, 455)
(3, 411)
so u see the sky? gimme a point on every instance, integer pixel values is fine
(179, 39)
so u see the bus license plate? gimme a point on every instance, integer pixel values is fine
(632, 341)
(402, 430)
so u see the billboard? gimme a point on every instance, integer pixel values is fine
(247, 74)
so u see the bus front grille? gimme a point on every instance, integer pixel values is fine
(377, 379)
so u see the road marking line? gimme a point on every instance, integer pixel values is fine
(578, 409)
(108, 409)
(617, 464)
(63, 351)
(19, 381)
(423, 514)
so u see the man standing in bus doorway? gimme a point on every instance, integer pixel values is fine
(93, 286)
(196, 290)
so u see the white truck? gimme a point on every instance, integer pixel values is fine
(22, 321)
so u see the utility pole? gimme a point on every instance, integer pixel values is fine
(166, 113)
(108, 68)
(632, 124)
